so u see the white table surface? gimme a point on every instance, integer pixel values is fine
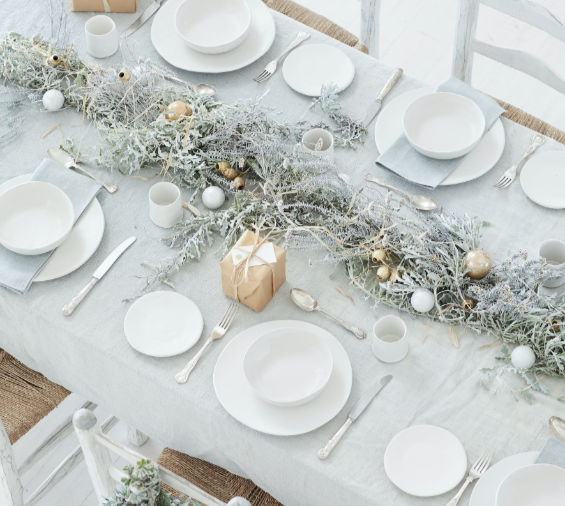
(436, 384)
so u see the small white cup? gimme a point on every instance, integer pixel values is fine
(390, 343)
(554, 253)
(101, 36)
(165, 205)
(310, 138)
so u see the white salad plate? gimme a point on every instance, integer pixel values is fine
(163, 324)
(239, 399)
(425, 461)
(171, 46)
(484, 491)
(476, 163)
(543, 179)
(534, 485)
(310, 67)
(81, 244)
(287, 366)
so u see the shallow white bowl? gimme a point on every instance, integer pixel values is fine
(35, 217)
(287, 366)
(535, 485)
(443, 125)
(213, 26)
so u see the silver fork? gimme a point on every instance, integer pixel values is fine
(478, 469)
(510, 174)
(218, 332)
(269, 70)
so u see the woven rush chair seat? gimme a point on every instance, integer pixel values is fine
(213, 479)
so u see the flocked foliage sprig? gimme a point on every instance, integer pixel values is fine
(303, 201)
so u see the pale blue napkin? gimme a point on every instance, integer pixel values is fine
(403, 159)
(17, 272)
(553, 452)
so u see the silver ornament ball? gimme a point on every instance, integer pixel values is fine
(53, 100)
(213, 197)
(422, 300)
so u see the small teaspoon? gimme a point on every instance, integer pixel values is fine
(420, 202)
(557, 426)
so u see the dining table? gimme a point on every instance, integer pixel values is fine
(436, 384)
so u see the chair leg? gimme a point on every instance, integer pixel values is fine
(11, 491)
(369, 30)
(467, 17)
(136, 437)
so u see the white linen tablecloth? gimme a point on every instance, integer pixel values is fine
(436, 384)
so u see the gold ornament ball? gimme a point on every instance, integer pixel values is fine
(378, 256)
(383, 273)
(55, 60)
(226, 170)
(124, 75)
(239, 183)
(468, 304)
(478, 262)
(180, 110)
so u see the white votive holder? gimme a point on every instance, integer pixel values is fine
(554, 253)
(101, 36)
(390, 343)
(311, 138)
(165, 204)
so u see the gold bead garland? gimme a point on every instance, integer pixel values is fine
(55, 60)
(226, 170)
(239, 183)
(124, 75)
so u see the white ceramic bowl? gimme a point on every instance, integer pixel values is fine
(443, 125)
(535, 485)
(35, 217)
(287, 366)
(213, 26)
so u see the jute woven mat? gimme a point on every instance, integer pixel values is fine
(25, 396)
(213, 479)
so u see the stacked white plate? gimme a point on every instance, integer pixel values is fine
(317, 370)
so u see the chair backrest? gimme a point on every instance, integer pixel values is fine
(369, 30)
(534, 14)
(95, 445)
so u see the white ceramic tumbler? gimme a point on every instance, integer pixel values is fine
(554, 253)
(311, 138)
(165, 205)
(390, 343)
(101, 36)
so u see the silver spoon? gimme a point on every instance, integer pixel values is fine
(203, 89)
(557, 426)
(420, 202)
(307, 302)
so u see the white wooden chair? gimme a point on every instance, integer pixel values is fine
(369, 30)
(532, 13)
(95, 445)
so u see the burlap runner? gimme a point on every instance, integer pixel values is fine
(213, 479)
(25, 396)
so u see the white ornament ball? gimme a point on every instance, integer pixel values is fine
(53, 100)
(523, 357)
(213, 197)
(422, 300)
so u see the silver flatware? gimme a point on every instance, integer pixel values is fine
(557, 426)
(478, 469)
(147, 13)
(353, 415)
(307, 302)
(97, 276)
(376, 105)
(203, 89)
(509, 176)
(269, 70)
(217, 332)
(420, 202)
(60, 156)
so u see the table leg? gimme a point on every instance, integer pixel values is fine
(136, 437)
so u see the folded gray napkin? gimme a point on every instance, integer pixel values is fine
(553, 452)
(17, 272)
(403, 159)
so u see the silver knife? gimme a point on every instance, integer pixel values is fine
(353, 415)
(147, 13)
(376, 105)
(98, 273)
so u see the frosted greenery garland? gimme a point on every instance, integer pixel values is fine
(304, 202)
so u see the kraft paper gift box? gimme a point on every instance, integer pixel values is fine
(253, 282)
(104, 5)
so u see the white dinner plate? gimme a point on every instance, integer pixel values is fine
(170, 45)
(81, 244)
(425, 461)
(310, 67)
(543, 179)
(479, 161)
(163, 324)
(240, 401)
(484, 491)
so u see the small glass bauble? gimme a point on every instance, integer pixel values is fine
(213, 197)
(523, 357)
(478, 262)
(53, 100)
(422, 300)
